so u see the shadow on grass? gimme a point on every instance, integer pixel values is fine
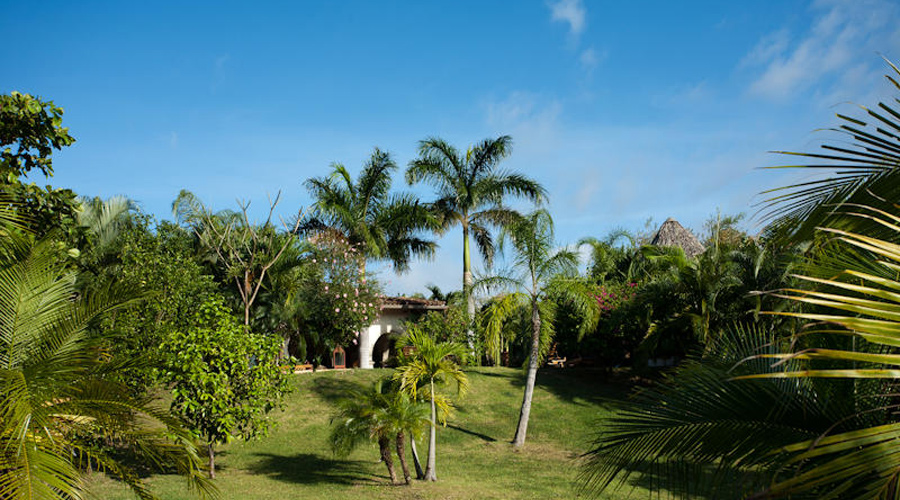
(306, 468)
(694, 480)
(332, 389)
(578, 386)
(472, 433)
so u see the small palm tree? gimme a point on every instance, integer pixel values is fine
(58, 392)
(381, 225)
(541, 273)
(471, 192)
(430, 363)
(381, 414)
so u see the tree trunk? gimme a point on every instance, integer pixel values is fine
(247, 301)
(212, 459)
(522, 429)
(286, 347)
(401, 454)
(420, 474)
(430, 474)
(384, 444)
(467, 289)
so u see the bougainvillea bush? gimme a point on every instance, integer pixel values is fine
(340, 299)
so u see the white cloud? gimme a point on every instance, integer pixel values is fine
(589, 187)
(571, 12)
(590, 58)
(533, 122)
(221, 60)
(843, 34)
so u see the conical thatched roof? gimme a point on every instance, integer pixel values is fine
(673, 234)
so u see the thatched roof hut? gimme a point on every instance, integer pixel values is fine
(673, 234)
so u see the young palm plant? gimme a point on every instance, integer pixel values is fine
(471, 190)
(431, 364)
(381, 414)
(58, 392)
(541, 272)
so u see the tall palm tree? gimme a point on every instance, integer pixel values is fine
(471, 190)
(541, 273)
(381, 225)
(431, 363)
(58, 391)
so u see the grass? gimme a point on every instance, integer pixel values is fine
(474, 457)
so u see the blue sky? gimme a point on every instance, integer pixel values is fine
(623, 110)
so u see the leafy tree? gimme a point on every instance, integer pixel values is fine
(448, 326)
(158, 259)
(224, 379)
(244, 250)
(542, 272)
(471, 190)
(430, 363)
(59, 391)
(380, 225)
(30, 130)
(381, 414)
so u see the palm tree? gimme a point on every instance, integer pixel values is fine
(380, 225)
(431, 363)
(380, 414)
(542, 273)
(59, 395)
(700, 433)
(471, 190)
(866, 170)
(862, 302)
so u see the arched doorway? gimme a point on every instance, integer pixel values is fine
(383, 350)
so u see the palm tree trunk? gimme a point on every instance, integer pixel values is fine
(432, 441)
(212, 459)
(401, 454)
(420, 474)
(384, 444)
(467, 289)
(522, 429)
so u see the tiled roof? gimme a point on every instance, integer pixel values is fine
(412, 303)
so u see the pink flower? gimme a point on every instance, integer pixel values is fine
(345, 295)
(326, 288)
(337, 309)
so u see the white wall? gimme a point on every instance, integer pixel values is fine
(390, 321)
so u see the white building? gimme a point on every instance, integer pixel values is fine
(376, 341)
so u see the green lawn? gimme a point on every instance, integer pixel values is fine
(474, 460)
